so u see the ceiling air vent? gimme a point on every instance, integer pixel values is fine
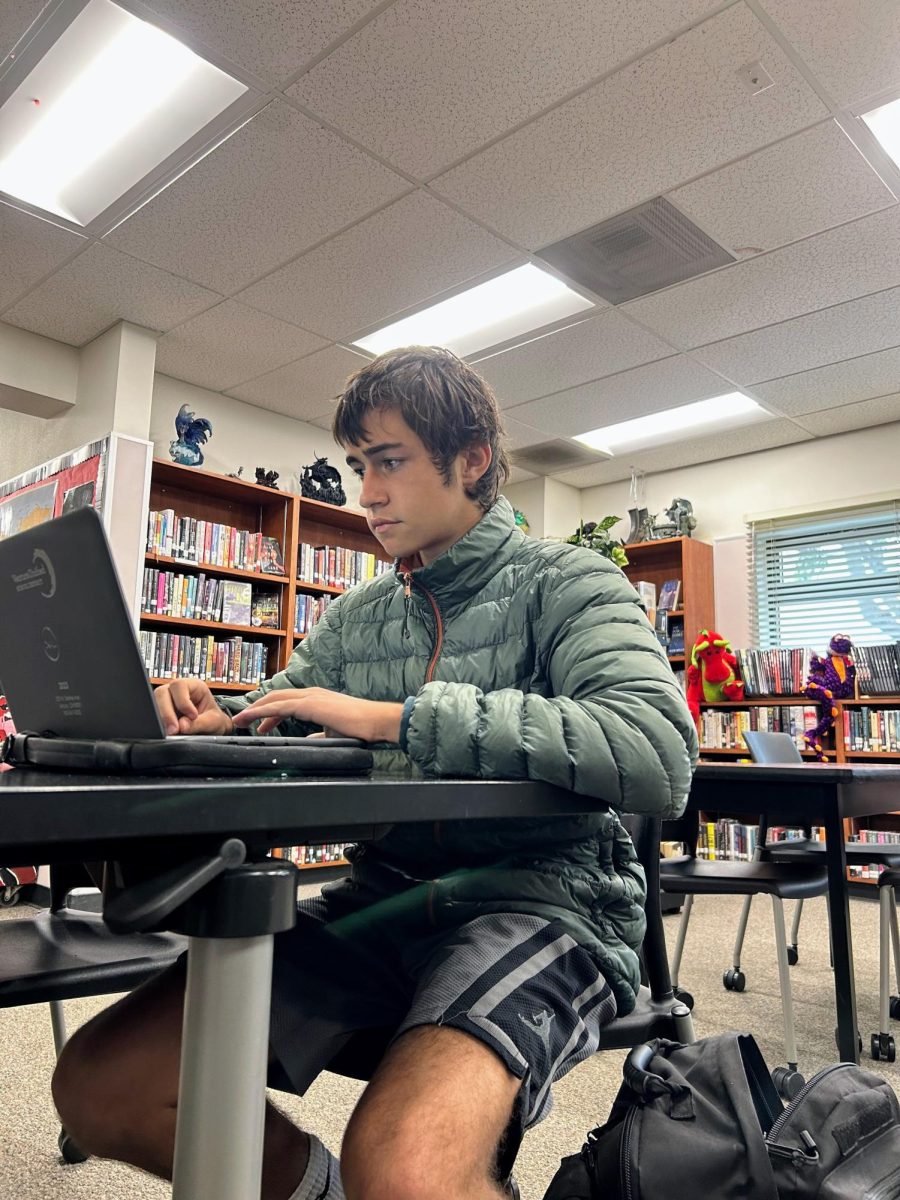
(553, 456)
(636, 252)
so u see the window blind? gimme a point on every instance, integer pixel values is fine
(826, 573)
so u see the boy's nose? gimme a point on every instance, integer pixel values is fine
(370, 493)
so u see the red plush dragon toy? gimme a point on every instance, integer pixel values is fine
(712, 674)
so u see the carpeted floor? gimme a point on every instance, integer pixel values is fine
(30, 1168)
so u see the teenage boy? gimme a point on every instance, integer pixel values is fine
(487, 954)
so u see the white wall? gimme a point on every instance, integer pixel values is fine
(804, 477)
(246, 436)
(825, 470)
(553, 509)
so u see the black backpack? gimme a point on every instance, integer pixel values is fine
(704, 1121)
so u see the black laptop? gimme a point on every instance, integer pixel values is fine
(71, 669)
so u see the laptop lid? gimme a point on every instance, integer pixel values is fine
(70, 664)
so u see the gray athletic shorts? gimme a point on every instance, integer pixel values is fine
(346, 983)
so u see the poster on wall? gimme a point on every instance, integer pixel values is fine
(59, 486)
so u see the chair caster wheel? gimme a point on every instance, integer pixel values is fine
(788, 1082)
(9, 896)
(894, 1008)
(882, 1046)
(69, 1151)
(734, 980)
(859, 1041)
(793, 956)
(684, 998)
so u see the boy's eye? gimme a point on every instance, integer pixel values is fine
(391, 463)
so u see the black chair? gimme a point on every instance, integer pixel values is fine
(66, 952)
(689, 877)
(658, 1013)
(780, 747)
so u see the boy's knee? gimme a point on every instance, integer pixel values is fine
(80, 1094)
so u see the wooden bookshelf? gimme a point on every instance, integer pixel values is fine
(685, 559)
(838, 751)
(289, 518)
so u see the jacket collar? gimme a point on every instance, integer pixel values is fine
(462, 570)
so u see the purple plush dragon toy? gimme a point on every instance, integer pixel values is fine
(830, 678)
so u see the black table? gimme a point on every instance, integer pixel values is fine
(816, 793)
(47, 817)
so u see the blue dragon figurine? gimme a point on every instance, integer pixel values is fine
(193, 432)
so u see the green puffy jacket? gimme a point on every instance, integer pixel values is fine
(517, 659)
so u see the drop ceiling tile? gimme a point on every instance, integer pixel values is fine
(306, 388)
(675, 114)
(841, 264)
(99, 288)
(864, 414)
(710, 448)
(651, 388)
(15, 17)
(230, 343)
(519, 436)
(785, 192)
(834, 385)
(519, 475)
(393, 261)
(270, 38)
(273, 189)
(29, 249)
(424, 84)
(843, 331)
(602, 345)
(852, 49)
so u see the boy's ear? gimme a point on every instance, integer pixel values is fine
(474, 461)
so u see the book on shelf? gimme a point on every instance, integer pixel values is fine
(237, 598)
(271, 560)
(676, 636)
(646, 590)
(781, 671)
(265, 611)
(662, 627)
(877, 669)
(669, 594)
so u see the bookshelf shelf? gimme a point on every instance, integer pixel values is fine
(677, 659)
(303, 585)
(256, 630)
(190, 564)
(215, 687)
(337, 862)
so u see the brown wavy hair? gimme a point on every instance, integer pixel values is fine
(447, 404)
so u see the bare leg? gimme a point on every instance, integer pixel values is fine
(116, 1089)
(429, 1124)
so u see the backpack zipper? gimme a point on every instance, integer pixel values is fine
(435, 655)
(771, 1136)
(625, 1153)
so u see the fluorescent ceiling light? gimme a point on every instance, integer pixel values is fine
(505, 307)
(706, 416)
(885, 124)
(110, 100)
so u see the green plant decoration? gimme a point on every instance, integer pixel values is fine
(595, 536)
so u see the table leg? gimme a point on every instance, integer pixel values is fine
(219, 1134)
(841, 940)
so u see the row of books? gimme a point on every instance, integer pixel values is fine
(336, 566)
(878, 669)
(307, 610)
(779, 672)
(196, 540)
(872, 837)
(872, 729)
(666, 601)
(723, 729)
(176, 655)
(304, 856)
(207, 598)
(728, 839)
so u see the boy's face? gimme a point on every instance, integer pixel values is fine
(410, 509)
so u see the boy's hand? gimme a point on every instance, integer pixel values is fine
(188, 706)
(344, 716)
